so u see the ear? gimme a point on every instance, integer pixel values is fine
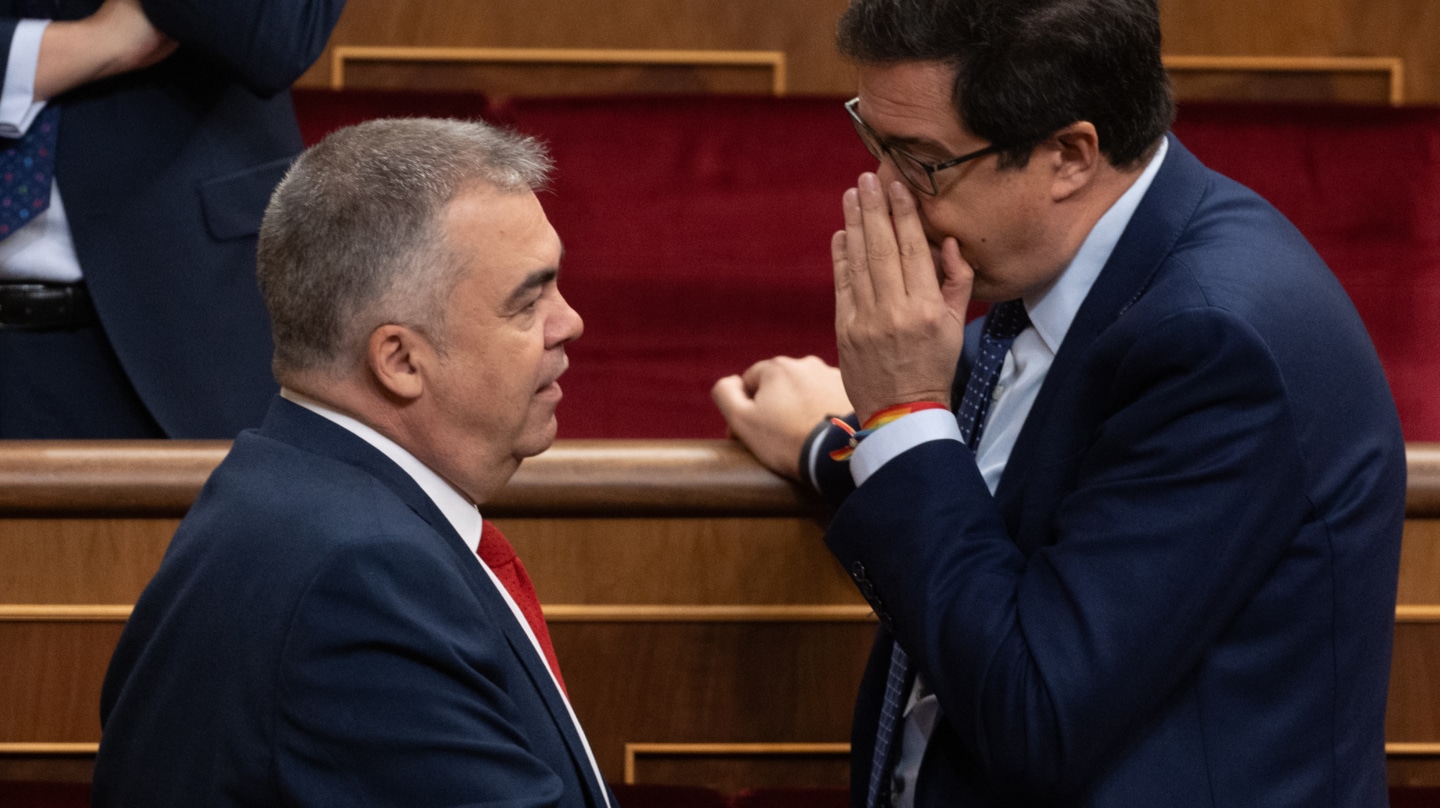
(398, 357)
(1075, 152)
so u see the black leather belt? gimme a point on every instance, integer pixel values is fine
(45, 306)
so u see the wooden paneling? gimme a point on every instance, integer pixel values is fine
(1420, 562)
(51, 679)
(712, 682)
(1406, 29)
(1413, 712)
(804, 31)
(691, 601)
(80, 561)
(672, 560)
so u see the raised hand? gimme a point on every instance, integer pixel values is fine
(899, 324)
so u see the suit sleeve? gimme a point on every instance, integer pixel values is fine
(394, 691)
(7, 36)
(264, 44)
(1044, 664)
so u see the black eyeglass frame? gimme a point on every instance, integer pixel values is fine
(873, 141)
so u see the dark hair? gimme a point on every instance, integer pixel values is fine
(1027, 68)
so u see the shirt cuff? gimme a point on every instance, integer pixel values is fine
(18, 106)
(898, 437)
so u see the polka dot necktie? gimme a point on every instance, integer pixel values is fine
(1002, 325)
(27, 168)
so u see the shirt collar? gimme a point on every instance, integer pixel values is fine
(1052, 311)
(462, 515)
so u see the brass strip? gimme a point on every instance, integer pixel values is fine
(64, 613)
(775, 60)
(627, 613)
(633, 750)
(1410, 613)
(1413, 749)
(49, 748)
(555, 613)
(1393, 67)
(606, 613)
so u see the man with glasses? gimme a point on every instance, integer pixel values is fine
(1133, 538)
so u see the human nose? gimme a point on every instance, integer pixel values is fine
(565, 326)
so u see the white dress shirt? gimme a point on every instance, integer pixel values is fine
(466, 520)
(42, 249)
(1051, 313)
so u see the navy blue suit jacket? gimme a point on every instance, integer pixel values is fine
(318, 634)
(165, 174)
(1182, 592)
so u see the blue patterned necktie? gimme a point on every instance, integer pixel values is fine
(27, 168)
(1004, 322)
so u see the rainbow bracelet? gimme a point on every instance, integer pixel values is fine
(886, 416)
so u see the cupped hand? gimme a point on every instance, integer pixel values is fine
(899, 323)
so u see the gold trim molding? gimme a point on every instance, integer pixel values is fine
(584, 613)
(1413, 613)
(634, 750)
(1412, 749)
(775, 60)
(604, 613)
(63, 613)
(49, 749)
(1392, 67)
(554, 613)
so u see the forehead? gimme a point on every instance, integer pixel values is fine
(501, 236)
(910, 102)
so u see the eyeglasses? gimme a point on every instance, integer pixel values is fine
(920, 174)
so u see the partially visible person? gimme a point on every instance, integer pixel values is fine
(333, 623)
(1134, 538)
(128, 305)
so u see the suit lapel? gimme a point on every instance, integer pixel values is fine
(295, 425)
(1152, 233)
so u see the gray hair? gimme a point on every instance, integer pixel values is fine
(353, 236)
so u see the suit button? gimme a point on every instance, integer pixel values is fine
(857, 571)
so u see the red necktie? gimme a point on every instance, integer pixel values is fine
(499, 556)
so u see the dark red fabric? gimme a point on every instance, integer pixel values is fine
(649, 795)
(44, 795)
(697, 231)
(497, 553)
(697, 236)
(792, 797)
(321, 112)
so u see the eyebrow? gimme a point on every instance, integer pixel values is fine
(534, 280)
(913, 142)
(906, 143)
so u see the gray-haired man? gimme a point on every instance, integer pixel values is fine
(321, 630)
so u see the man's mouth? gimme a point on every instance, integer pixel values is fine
(553, 384)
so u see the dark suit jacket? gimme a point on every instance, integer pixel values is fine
(318, 634)
(165, 174)
(1182, 592)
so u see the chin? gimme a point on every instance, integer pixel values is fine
(534, 441)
